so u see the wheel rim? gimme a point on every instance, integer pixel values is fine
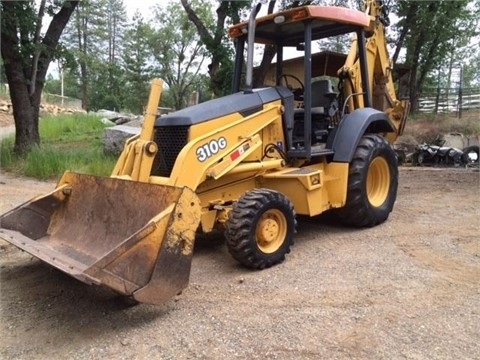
(378, 181)
(271, 231)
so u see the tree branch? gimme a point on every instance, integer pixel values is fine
(410, 18)
(202, 30)
(52, 36)
(36, 43)
(221, 16)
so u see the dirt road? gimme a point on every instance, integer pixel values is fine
(408, 289)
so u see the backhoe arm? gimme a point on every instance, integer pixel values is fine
(379, 70)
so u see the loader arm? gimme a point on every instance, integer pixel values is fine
(135, 161)
(239, 137)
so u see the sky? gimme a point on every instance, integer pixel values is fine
(143, 5)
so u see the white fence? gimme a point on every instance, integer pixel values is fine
(449, 100)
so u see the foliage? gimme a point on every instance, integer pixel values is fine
(180, 41)
(432, 32)
(70, 85)
(102, 95)
(115, 60)
(178, 52)
(71, 142)
(136, 62)
(95, 39)
(212, 32)
(80, 42)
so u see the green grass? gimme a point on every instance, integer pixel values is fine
(68, 142)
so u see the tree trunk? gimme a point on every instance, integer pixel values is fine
(407, 24)
(414, 91)
(26, 96)
(25, 108)
(81, 26)
(268, 54)
(261, 72)
(84, 85)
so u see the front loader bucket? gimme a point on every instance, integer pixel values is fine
(135, 238)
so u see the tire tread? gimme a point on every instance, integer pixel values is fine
(238, 230)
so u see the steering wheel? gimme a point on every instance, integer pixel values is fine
(297, 92)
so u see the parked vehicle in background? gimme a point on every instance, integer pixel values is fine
(439, 155)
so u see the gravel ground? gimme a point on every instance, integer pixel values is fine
(407, 289)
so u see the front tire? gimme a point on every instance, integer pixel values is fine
(260, 228)
(372, 183)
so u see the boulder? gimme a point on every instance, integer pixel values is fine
(455, 140)
(116, 117)
(110, 115)
(114, 138)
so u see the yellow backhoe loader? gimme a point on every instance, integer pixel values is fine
(246, 163)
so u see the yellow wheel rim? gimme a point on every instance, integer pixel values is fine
(378, 181)
(271, 231)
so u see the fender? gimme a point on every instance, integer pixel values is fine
(345, 138)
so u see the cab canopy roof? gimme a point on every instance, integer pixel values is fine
(287, 28)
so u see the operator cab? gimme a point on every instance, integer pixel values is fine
(318, 105)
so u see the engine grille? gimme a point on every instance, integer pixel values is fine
(170, 141)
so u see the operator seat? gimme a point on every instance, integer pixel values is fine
(324, 107)
(324, 98)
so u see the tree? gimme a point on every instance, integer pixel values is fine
(116, 27)
(79, 39)
(429, 31)
(471, 75)
(213, 35)
(137, 59)
(95, 39)
(26, 56)
(177, 49)
(116, 21)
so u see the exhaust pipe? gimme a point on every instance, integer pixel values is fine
(251, 48)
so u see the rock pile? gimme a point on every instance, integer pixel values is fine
(6, 107)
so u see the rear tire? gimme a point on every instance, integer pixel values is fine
(260, 229)
(372, 183)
